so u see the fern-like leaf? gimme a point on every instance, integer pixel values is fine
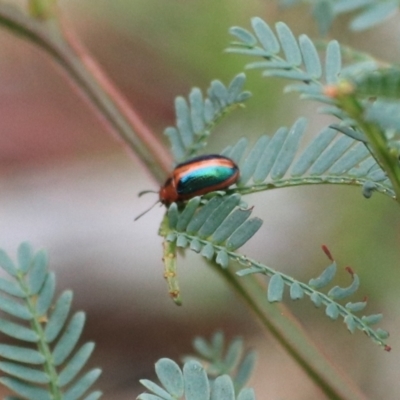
(42, 373)
(333, 309)
(329, 158)
(210, 375)
(298, 60)
(212, 229)
(190, 383)
(288, 57)
(225, 358)
(196, 118)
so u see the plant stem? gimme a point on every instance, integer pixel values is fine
(376, 138)
(43, 346)
(63, 47)
(279, 322)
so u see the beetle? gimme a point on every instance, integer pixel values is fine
(197, 176)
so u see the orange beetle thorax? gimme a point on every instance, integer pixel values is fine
(168, 192)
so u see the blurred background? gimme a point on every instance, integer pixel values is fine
(69, 186)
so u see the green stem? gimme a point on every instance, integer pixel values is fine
(310, 180)
(43, 347)
(376, 138)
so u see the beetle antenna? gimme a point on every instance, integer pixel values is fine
(145, 192)
(145, 212)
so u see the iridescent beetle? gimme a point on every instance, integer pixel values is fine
(195, 177)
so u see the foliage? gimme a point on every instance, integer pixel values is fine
(220, 227)
(366, 13)
(218, 224)
(50, 369)
(371, 122)
(213, 381)
(362, 149)
(194, 121)
(334, 308)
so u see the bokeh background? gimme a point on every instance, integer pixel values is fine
(69, 186)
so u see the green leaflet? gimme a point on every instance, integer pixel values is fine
(229, 225)
(6, 263)
(58, 316)
(14, 308)
(233, 353)
(38, 271)
(311, 59)
(333, 62)
(69, 338)
(290, 47)
(82, 385)
(356, 307)
(265, 35)
(46, 295)
(250, 164)
(94, 395)
(374, 15)
(187, 214)
(11, 288)
(243, 234)
(325, 278)
(275, 288)
(237, 151)
(20, 354)
(24, 373)
(170, 376)
(222, 389)
(288, 150)
(25, 389)
(217, 217)
(244, 369)
(246, 394)
(233, 361)
(156, 389)
(269, 155)
(324, 15)
(332, 311)
(196, 118)
(202, 214)
(338, 293)
(195, 381)
(76, 364)
(18, 331)
(25, 256)
(296, 291)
